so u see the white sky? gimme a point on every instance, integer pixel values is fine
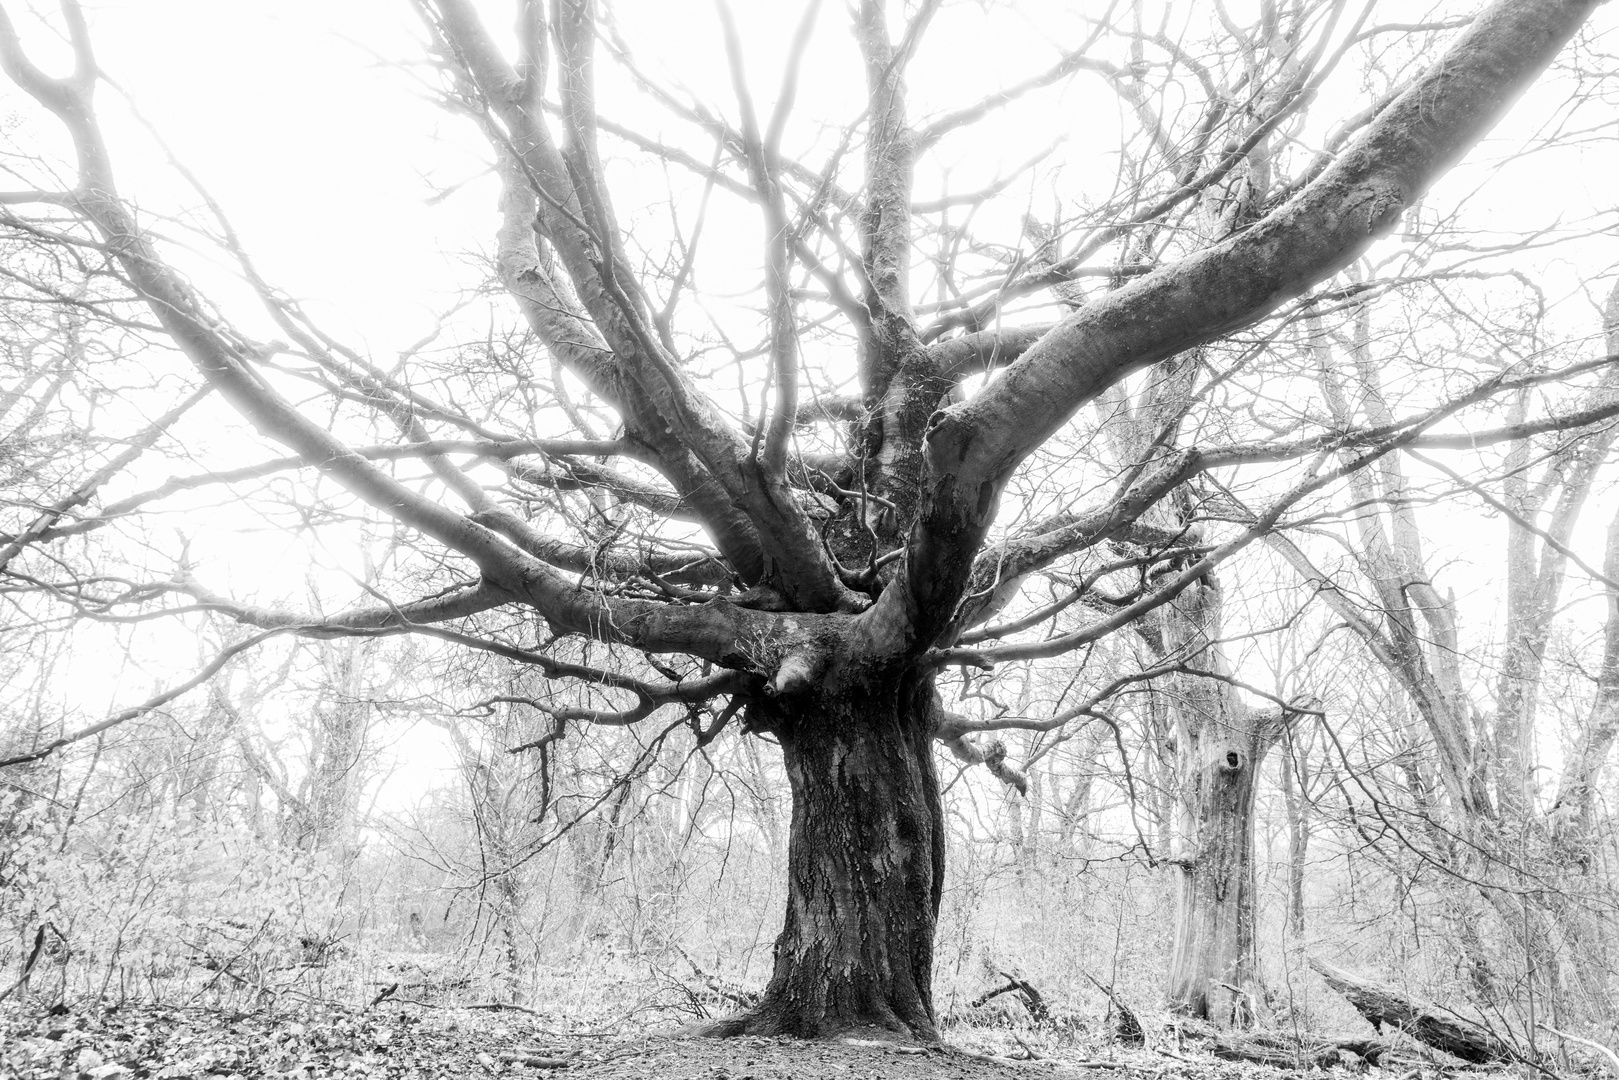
(327, 157)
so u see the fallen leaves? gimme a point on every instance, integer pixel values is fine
(334, 1042)
(156, 1043)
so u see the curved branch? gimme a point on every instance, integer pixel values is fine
(456, 603)
(984, 350)
(208, 671)
(662, 399)
(44, 525)
(973, 448)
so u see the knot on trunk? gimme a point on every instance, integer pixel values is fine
(945, 439)
(991, 757)
(796, 673)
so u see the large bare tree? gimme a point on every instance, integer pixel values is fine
(814, 556)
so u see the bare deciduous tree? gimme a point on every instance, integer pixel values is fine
(817, 557)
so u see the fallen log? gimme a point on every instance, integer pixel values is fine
(741, 996)
(1039, 1012)
(1281, 1049)
(534, 1059)
(1297, 1053)
(1282, 1054)
(1382, 1004)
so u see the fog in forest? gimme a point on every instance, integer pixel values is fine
(1038, 529)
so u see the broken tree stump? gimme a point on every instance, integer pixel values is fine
(1382, 1004)
(1124, 1028)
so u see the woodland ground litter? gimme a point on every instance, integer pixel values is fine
(1174, 591)
(168, 1043)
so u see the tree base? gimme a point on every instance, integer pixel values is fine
(865, 863)
(770, 1021)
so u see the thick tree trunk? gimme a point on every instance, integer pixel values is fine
(1213, 974)
(1220, 744)
(865, 859)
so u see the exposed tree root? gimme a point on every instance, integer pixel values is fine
(763, 1021)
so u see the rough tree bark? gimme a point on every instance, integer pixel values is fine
(865, 863)
(1220, 745)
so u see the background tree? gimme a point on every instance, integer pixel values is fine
(1480, 807)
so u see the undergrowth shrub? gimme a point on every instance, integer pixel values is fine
(161, 906)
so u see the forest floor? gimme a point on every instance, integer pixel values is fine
(161, 1043)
